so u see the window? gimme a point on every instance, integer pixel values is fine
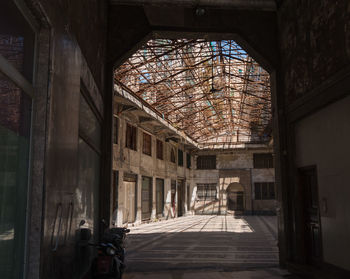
(115, 130)
(172, 155)
(180, 157)
(264, 191)
(147, 144)
(207, 162)
(263, 160)
(206, 191)
(188, 160)
(17, 41)
(131, 136)
(159, 149)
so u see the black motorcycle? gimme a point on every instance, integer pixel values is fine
(111, 254)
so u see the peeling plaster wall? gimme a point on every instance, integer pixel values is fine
(313, 134)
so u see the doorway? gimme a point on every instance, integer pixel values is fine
(235, 197)
(311, 215)
(159, 196)
(180, 197)
(173, 194)
(188, 191)
(130, 189)
(130, 202)
(146, 198)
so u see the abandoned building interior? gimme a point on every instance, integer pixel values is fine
(217, 126)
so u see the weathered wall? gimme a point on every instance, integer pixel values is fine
(126, 160)
(329, 128)
(74, 58)
(234, 167)
(314, 42)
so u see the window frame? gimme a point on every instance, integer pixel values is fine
(115, 129)
(188, 160)
(172, 155)
(147, 144)
(132, 132)
(261, 187)
(206, 162)
(206, 188)
(28, 87)
(159, 149)
(263, 161)
(180, 157)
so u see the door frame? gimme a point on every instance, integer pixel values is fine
(181, 197)
(163, 191)
(302, 220)
(150, 200)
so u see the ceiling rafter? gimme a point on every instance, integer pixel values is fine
(211, 90)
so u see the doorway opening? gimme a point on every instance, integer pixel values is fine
(146, 196)
(235, 198)
(311, 215)
(180, 197)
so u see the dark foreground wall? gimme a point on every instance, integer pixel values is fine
(67, 135)
(315, 43)
(315, 68)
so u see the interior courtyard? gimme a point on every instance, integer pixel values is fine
(216, 131)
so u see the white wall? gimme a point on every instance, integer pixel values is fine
(323, 139)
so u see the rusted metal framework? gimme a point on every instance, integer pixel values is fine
(211, 90)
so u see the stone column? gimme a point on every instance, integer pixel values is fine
(154, 209)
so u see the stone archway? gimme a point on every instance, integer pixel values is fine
(235, 197)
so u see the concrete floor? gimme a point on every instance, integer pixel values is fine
(205, 247)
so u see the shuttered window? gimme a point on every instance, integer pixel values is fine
(188, 160)
(159, 149)
(115, 130)
(263, 160)
(207, 162)
(264, 191)
(180, 157)
(131, 137)
(206, 191)
(147, 144)
(172, 155)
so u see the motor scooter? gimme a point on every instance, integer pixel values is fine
(109, 262)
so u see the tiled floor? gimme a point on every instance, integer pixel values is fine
(204, 247)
